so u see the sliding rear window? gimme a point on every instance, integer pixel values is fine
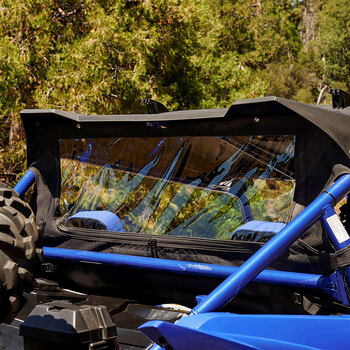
(205, 187)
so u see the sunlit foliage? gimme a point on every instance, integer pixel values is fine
(102, 57)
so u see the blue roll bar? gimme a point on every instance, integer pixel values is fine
(303, 280)
(24, 184)
(338, 236)
(229, 288)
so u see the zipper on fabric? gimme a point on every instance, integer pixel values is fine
(152, 245)
(170, 242)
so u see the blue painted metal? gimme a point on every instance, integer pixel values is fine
(227, 331)
(340, 239)
(111, 221)
(199, 298)
(295, 279)
(24, 184)
(341, 291)
(272, 249)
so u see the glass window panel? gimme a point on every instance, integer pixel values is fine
(206, 187)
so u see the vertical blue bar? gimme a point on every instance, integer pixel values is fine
(273, 249)
(335, 229)
(23, 185)
(339, 238)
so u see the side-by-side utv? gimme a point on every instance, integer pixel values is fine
(199, 229)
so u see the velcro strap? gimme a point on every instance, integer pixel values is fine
(340, 259)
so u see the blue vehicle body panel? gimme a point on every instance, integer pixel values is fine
(230, 331)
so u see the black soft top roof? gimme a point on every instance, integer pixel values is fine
(167, 116)
(335, 123)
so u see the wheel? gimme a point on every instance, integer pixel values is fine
(18, 253)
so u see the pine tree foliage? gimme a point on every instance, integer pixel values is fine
(334, 41)
(103, 57)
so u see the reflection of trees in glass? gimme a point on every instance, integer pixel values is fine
(179, 209)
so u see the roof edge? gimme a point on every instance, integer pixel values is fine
(166, 116)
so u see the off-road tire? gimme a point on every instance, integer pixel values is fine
(18, 253)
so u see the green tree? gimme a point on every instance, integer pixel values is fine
(333, 42)
(132, 50)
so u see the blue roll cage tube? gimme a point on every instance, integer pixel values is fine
(252, 269)
(337, 234)
(229, 288)
(25, 183)
(303, 280)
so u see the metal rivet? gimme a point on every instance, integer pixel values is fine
(256, 119)
(78, 126)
